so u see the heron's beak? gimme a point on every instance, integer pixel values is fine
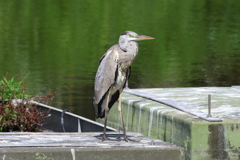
(142, 37)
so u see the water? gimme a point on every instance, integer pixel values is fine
(60, 42)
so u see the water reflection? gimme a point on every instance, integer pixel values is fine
(60, 43)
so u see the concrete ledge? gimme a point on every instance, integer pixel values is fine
(200, 139)
(84, 146)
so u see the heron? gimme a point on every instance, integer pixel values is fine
(112, 75)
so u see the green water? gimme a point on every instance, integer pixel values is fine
(60, 42)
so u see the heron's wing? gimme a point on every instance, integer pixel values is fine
(106, 74)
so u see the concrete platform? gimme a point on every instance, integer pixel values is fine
(84, 146)
(201, 139)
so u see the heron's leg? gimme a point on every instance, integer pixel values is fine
(105, 120)
(121, 117)
(123, 128)
(104, 137)
(105, 124)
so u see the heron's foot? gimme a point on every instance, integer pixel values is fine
(129, 140)
(108, 139)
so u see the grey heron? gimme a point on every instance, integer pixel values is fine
(112, 75)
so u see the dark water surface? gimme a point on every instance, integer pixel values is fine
(60, 42)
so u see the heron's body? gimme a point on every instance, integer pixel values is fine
(113, 73)
(111, 77)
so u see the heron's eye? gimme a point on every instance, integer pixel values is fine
(132, 35)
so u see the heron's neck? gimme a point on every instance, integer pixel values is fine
(128, 46)
(127, 57)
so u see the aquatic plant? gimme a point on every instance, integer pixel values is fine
(17, 110)
(13, 89)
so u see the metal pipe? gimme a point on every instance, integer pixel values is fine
(209, 106)
(62, 119)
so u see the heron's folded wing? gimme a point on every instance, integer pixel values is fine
(105, 75)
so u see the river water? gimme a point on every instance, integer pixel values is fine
(59, 43)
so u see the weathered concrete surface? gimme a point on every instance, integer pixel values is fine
(201, 139)
(84, 146)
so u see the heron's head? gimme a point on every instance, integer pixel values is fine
(132, 36)
(128, 36)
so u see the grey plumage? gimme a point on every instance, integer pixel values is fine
(113, 73)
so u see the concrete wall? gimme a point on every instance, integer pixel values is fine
(201, 139)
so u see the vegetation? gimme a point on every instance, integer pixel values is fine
(18, 112)
(12, 89)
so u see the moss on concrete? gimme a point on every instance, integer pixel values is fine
(92, 154)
